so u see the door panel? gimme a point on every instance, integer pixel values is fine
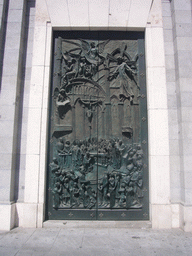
(97, 164)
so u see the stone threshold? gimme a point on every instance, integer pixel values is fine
(97, 224)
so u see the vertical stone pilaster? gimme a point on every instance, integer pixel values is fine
(182, 36)
(159, 170)
(37, 120)
(11, 105)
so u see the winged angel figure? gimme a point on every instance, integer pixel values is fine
(90, 56)
(94, 53)
(122, 69)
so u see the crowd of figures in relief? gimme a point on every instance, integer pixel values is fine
(74, 174)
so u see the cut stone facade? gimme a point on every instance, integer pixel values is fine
(25, 68)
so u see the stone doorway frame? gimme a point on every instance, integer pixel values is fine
(31, 212)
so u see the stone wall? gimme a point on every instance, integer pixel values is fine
(177, 37)
(26, 53)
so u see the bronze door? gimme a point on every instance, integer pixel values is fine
(97, 150)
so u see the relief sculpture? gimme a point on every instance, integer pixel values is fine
(97, 161)
(119, 177)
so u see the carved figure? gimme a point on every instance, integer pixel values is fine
(60, 145)
(100, 193)
(71, 70)
(62, 102)
(105, 183)
(66, 192)
(86, 61)
(112, 192)
(57, 191)
(89, 104)
(54, 165)
(92, 197)
(82, 66)
(119, 187)
(55, 170)
(82, 192)
(93, 53)
(122, 195)
(121, 72)
(74, 193)
(87, 162)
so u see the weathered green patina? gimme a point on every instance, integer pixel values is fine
(98, 158)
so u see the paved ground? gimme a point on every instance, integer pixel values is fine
(91, 241)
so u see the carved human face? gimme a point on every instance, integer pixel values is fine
(112, 180)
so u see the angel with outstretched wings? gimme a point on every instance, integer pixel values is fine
(94, 53)
(122, 70)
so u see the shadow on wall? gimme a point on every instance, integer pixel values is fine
(3, 29)
(16, 164)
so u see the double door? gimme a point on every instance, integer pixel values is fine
(97, 152)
